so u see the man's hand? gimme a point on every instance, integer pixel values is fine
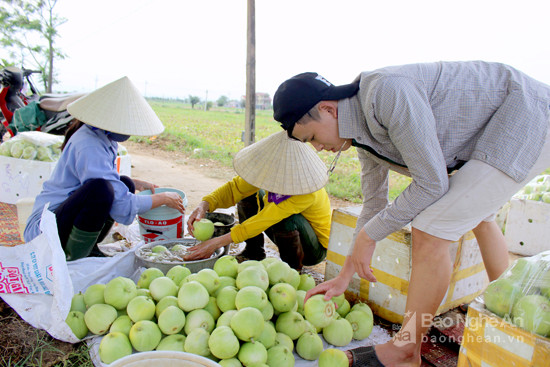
(330, 288)
(358, 262)
(361, 256)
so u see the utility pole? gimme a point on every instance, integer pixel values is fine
(206, 100)
(250, 102)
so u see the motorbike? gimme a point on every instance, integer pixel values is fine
(20, 112)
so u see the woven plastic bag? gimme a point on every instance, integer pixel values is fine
(35, 281)
(38, 283)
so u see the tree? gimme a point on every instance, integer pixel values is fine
(222, 101)
(29, 29)
(194, 100)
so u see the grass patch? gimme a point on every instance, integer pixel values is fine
(25, 346)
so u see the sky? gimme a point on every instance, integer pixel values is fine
(177, 48)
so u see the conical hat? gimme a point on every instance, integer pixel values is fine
(281, 165)
(117, 107)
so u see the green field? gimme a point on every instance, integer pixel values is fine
(216, 134)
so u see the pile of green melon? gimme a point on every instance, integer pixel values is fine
(538, 189)
(237, 314)
(26, 149)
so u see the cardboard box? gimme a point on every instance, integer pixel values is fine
(22, 178)
(391, 264)
(490, 341)
(527, 227)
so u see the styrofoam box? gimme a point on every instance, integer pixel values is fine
(528, 227)
(21, 178)
(124, 165)
(488, 340)
(391, 264)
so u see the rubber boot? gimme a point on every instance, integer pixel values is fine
(106, 228)
(80, 244)
(290, 248)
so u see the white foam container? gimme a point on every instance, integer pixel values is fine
(528, 227)
(22, 178)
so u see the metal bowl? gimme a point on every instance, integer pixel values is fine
(142, 260)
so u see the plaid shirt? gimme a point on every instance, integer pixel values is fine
(423, 119)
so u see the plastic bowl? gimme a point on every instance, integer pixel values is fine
(164, 359)
(228, 221)
(143, 261)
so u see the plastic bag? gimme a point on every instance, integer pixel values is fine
(27, 118)
(538, 189)
(122, 150)
(33, 145)
(35, 281)
(521, 295)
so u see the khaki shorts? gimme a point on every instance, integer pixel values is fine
(476, 192)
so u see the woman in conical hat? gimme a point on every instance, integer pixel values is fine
(85, 191)
(279, 191)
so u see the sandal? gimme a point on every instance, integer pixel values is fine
(365, 357)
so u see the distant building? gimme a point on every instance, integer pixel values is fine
(233, 104)
(263, 101)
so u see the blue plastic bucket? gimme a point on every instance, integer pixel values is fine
(163, 222)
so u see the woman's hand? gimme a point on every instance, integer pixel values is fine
(170, 199)
(144, 185)
(197, 214)
(205, 249)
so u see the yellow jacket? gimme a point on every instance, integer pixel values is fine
(315, 207)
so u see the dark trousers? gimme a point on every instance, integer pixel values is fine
(314, 252)
(88, 208)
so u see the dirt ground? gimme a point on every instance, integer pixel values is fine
(23, 345)
(173, 169)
